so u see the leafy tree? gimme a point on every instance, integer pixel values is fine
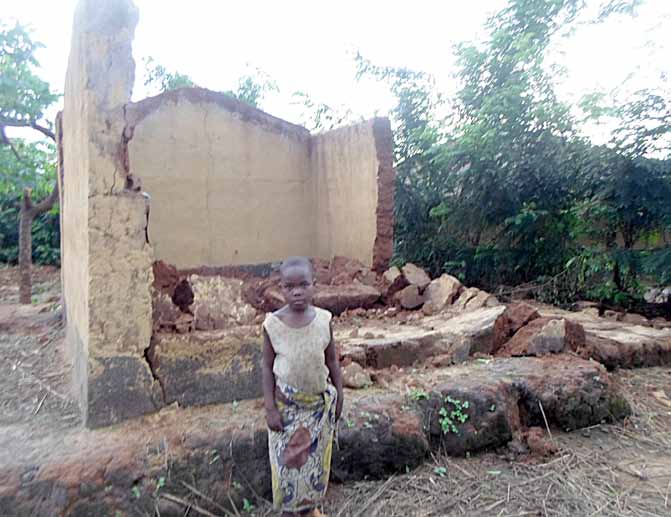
(24, 98)
(319, 116)
(503, 190)
(36, 171)
(494, 177)
(158, 77)
(420, 169)
(642, 123)
(251, 88)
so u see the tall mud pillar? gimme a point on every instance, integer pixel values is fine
(107, 261)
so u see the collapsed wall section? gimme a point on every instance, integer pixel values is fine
(354, 192)
(229, 184)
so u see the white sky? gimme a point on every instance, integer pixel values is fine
(309, 45)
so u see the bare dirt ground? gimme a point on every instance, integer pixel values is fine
(34, 376)
(620, 469)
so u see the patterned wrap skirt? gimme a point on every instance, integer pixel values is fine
(300, 455)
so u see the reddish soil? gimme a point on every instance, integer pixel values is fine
(622, 468)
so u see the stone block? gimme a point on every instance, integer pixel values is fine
(443, 291)
(516, 316)
(546, 336)
(416, 276)
(409, 297)
(338, 299)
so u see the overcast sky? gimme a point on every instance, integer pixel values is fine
(309, 45)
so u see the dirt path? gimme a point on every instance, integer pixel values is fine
(35, 399)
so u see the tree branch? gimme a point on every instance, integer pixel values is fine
(44, 205)
(6, 141)
(8, 122)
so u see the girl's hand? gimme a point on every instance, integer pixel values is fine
(274, 420)
(339, 403)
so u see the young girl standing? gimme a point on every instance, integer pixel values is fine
(302, 390)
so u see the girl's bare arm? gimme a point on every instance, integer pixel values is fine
(332, 363)
(272, 413)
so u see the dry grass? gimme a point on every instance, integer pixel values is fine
(622, 469)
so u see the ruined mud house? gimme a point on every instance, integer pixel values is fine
(197, 180)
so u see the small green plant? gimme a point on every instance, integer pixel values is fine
(159, 484)
(136, 492)
(451, 417)
(417, 394)
(237, 485)
(440, 471)
(247, 506)
(235, 405)
(349, 423)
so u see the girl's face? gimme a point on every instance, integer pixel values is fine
(297, 287)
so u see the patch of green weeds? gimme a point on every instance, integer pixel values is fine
(247, 506)
(417, 394)
(453, 414)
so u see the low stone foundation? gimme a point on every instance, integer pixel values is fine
(207, 367)
(221, 451)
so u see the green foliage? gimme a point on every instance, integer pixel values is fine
(417, 394)
(159, 78)
(23, 95)
(247, 506)
(160, 483)
(503, 190)
(453, 414)
(253, 88)
(420, 171)
(24, 98)
(643, 122)
(657, 264)
(318, 116)
(35, 170)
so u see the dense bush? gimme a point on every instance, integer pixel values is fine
(504, 190)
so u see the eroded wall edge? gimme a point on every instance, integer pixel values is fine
(137, 111)
(111, 328)
(383, 247)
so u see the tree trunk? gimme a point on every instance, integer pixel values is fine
(27, 215)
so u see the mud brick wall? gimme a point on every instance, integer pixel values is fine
(229, 184)
(107, 262)
(354, 182)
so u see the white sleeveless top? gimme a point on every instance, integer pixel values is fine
(299, 352)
